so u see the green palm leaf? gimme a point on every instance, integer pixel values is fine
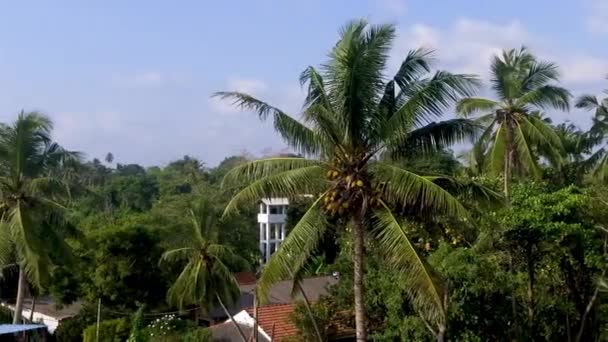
(409, 189)
(297, 135)
(258, 169)
(424, 287)
(295, 250)
(305, 180)
(498, 152)
(471, 105)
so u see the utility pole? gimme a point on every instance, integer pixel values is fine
(98, 319)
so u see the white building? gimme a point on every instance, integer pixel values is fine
(272, 217)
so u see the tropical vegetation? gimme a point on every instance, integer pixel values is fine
(504, 240)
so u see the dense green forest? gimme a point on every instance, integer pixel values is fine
(507, 242)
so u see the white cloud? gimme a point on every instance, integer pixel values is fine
(584, 69)
(465, 46)
(597, 17)
(468, 45)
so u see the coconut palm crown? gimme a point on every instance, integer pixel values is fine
(32, 198)
(514, 130)
(354, 120)
(598, 160)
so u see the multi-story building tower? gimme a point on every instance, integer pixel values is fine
(271, 219)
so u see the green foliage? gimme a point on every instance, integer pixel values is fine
(198, 335)
(124, 267)
(114, 330)
(137, 326)
(324, 315)
(71, 329)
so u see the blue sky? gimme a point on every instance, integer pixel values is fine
(134, 77)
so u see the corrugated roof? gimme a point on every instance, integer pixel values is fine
(16, 328)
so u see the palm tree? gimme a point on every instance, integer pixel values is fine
(580, 154)
(353, 121)
(31, 222)
(514, 130)
(206, 279)
(599, 159)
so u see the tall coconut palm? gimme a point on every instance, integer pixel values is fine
(206, 279)
(523, 86)
(30, 196)
(597, 133)
(353, 119)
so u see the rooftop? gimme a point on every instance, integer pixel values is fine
(16, 328)
(274, 320)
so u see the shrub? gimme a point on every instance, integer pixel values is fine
(71, 329)
(114, 330)
(197, 335)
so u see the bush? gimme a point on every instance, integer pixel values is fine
(71, 329)
(114, 330)
(198, 335)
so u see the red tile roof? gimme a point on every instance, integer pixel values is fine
(245, 278)
(277, 315)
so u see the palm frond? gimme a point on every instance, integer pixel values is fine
(471, 105)
(524, 152)
(498, 152)
(424, 287)
(437, 136)
(428, 99)
(295, 134)
(407, 189)
(539, 74)
(258, 169)
(305, 180)
(546, 97)
(295, 250)
(587, 102)
(417, 63)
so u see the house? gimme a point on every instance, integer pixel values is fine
(46, 312)
(280, 293)
(274, 324)
(23, 332)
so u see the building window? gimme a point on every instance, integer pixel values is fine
(278, 232)
(274, 209)
(264, 231)
(263, 208)
(273, 248)
(272, 231)
(264, 256)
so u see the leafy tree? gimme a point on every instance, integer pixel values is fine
(32, 222)
(123, 267)
(523, 86)
(351, 118)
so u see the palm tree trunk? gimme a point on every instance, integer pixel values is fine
(32, 309)
(236, 325)
(360, 319)
(21, 283)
